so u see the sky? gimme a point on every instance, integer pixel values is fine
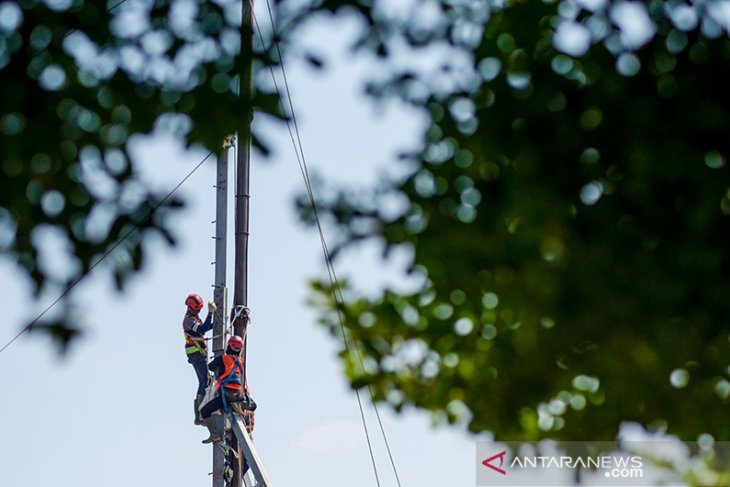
(117, 410)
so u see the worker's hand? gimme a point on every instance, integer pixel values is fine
(211, 307)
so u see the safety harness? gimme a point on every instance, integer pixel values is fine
(230, 377)
(194, 344)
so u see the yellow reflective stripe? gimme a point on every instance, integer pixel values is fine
(195, 347)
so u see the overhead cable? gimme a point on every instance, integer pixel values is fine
(334, 281)
(124, 237)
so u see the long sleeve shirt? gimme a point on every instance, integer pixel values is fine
(195, 329)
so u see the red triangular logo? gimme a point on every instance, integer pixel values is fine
(488, 462)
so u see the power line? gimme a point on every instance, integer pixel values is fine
(334, 281)
(106, 254)
(116, 5)
(307, 182)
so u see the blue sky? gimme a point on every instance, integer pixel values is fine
(117, 411)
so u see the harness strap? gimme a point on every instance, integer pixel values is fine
(197, 345)
(228, 380)
(193, 343)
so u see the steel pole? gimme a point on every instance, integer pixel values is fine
(219, 287)
(243, 196)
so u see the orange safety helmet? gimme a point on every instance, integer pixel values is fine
(235, 343)
(194, 302)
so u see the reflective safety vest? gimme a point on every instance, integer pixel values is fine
(232, 376)
(194, 343)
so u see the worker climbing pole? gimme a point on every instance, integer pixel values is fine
(230, 396)
(227, 408)
(196, 349)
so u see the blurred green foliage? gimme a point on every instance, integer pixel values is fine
(79, 79)
(567, 207)
(567, 211)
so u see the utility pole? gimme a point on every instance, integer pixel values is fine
(243, 165)
(240, 293)
(240, 440)
(219, 288)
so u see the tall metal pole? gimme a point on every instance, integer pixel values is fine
(219, 288)
(240, 293)
(243, 165)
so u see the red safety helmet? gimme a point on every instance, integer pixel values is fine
(194, 302)
(235, 343)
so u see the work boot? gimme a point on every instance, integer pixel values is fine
(215, 426)
(198, 416)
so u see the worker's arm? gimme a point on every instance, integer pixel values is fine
(216, 365)
(207, 325)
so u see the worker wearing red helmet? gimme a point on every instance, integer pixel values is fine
(195, 346)
(229, 372)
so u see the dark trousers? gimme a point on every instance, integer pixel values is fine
(233, 399)
(200, 364)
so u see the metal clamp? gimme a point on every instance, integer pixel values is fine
(241, 310)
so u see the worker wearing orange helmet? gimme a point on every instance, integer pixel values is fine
(195, 347)
(229, 373)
